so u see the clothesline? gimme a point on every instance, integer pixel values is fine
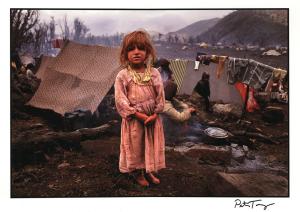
(247, 71)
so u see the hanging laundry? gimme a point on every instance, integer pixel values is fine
(252, 105)
(207, 59)
(248, 71)
(221, 64)
(203, 58)
(279, 73)
(179, 68)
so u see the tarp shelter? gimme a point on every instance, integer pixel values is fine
(220, 89)
(78, 78)
(46, 61)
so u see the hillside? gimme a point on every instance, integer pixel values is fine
(256, 27)
(196, 28)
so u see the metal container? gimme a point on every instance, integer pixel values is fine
(216, 132)
(215, 136)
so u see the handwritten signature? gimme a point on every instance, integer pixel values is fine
(250, 204)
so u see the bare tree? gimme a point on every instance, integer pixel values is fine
(191, 39)
(176, 38)
(41, 39)
(21, 26)
(80, 29)
(52, 28)
(65, 28)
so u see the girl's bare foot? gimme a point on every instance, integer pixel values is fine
(140, 179)
(153, 179)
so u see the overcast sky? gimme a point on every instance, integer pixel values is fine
(111, 21)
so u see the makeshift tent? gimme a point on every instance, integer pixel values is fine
(46, 61)
(78, 78)
(220, 89)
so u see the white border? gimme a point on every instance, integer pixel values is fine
(147, 204)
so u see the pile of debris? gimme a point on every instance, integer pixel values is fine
(23, 84)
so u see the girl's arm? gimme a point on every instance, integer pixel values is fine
(121, 100)
(150, 119)
(141, 116)
(160, 94)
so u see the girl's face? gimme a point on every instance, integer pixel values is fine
(136, 55)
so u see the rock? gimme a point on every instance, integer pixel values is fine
(273, 115)
(234, 145)
(36, 126)
(238, 155)
(227, 109)
(188, 144)
(207, 153)
(245, 148)
(181, 149)
(169, 148)
(271, 158)
(250, 156)
(249, 184)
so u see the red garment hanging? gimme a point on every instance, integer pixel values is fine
(252, 104)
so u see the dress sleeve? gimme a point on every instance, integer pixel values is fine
(121, 100)
(160, 94)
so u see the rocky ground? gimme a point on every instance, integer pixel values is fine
(90, 168)
(252, 161)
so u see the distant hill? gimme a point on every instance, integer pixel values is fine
(255, 27)
(196, 28)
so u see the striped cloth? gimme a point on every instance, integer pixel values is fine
(179, 69)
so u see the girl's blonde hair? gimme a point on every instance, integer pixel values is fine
(141, 40)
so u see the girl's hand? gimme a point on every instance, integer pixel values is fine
(150, 119)
(141, 116)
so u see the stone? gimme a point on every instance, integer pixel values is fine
(181, 149)
(207, 153)
(228, 109)
(188, 144)
(249, 184)
(234, 145)
(250, 156)
(169, 148)
(238, 155)
(245, 148)
(273, 115)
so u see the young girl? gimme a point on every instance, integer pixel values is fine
(139, 96)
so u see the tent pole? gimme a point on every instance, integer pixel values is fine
(246, 101)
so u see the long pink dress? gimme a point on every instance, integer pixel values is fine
(142, 147)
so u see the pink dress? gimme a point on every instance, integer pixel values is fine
(142, 147)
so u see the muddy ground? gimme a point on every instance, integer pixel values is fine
(89, 168)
